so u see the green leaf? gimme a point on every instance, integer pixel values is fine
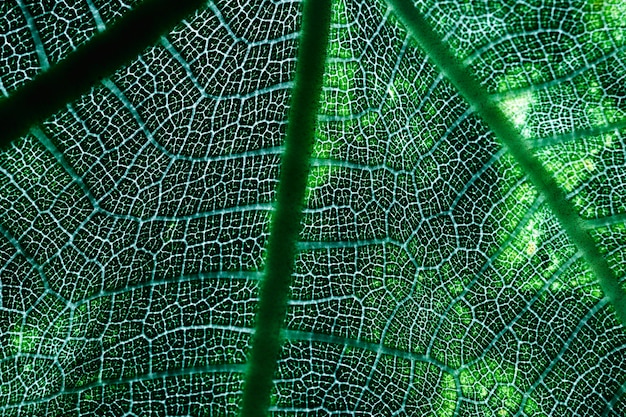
(463, 219)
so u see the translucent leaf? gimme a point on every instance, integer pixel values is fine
(431, 278)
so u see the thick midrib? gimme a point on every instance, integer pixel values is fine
(285, 227)
(501, 126)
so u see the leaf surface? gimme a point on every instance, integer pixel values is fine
(431, 277)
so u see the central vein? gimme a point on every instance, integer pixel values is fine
(285, 227)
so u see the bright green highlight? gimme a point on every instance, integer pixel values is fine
(519, 77)
(446, 402)
(612, 16)
(538, 259)
(617, 13)
(441, 398)
(337, 102)
(518, 108)
(494, 384)
(449, 347)
(340, 74)
(318, 176)
(25, 341)
(611, 238)
(339, 13)
(368, 123)
(324, 145)
(530, 253)
(532, 409)
(44, 331)
(503, 128)
(357, 140)
(573, 163)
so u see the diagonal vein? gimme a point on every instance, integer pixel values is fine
(501, 126)
(99, 57)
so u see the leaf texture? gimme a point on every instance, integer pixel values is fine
(431, 276)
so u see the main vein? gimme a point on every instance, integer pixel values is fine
(477, 97)
(285, 227)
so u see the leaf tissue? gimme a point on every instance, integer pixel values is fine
(462, 239)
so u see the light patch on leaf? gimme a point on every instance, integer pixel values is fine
(340, 74)
(614, 12)
(318, 176)
(449, 397)
(391, 92)
(337, 94)
(532, 409)
(517, 108)
(530, 248)
(323, 146)
(24, 341)
(574, 163)
(519, 77)
(491, 383)
(339, 13)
